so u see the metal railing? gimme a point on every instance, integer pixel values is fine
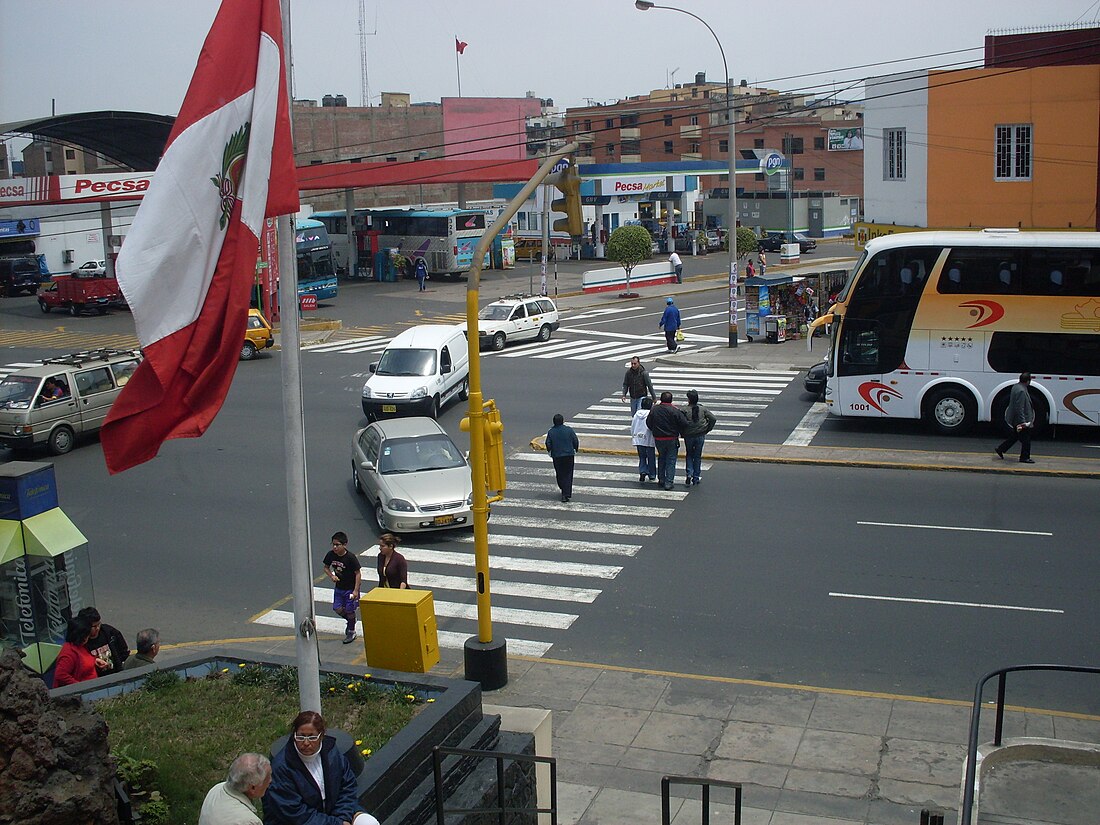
(667, 782)
(501, 810)
(975, 721)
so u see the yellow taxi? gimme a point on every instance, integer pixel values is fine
(258, 335)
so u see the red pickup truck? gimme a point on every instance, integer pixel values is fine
(80, 293)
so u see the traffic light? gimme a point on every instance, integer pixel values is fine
(493, 446)
(568, 182)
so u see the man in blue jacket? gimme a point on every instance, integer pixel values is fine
(670, 322)
(562, 444)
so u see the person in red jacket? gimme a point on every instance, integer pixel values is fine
(74, 662)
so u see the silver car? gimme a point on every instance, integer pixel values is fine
(414, 475)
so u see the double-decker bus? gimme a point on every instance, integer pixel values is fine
(316, 274)
(939, 325)
(444, 238)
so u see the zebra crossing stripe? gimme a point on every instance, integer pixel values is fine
(559, 545)
(642, 351)
(377, 346)
(584, 507)
(627, 466)
(463, 584)
(601, 414)
(724, 404)
(596, 527)
(721, 372)
(610, 492)
(599, 345)
(561, 568)
(329, 346)
(546, 349)
(616, 352)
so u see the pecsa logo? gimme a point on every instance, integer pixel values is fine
(233, 157)
(876, 394)
(16, 190)
(87, 186)
(627, 186)
(986, 312)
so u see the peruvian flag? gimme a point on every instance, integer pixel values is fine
(460, 46)
(189, 260)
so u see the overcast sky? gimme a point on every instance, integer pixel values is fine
(138, 55)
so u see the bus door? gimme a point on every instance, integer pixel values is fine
(859, 387)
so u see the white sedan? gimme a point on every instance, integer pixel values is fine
(91, 268)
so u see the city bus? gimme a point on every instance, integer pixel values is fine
(939, 325)
(316, 274)
(444, 238)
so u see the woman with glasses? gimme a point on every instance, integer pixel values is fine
(312, 783)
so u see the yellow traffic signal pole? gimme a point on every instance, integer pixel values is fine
(486, 658)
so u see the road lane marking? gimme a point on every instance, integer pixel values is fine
(789, 375)
(944, 602)
(948, 527)
(629, 466)
(562, 568)
(583, 507)
(462, 584)
(544, 349)
(611, 492)
(803, 434)
(451, 640)
(594, 527)
(346, 342)
(554, 543)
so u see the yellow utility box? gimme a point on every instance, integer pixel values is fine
(399, 630)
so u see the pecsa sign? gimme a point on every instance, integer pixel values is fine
(105, 187)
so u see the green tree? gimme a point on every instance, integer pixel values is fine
(746, 242)
(628, 246)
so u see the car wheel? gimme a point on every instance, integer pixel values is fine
(61, 440)
(74, 310)
(355, 482)
(248, 351)
(433, 408)
(42, 305)
(544, 333)
(464, 393)
(951, 410)
(380, 517)
(498, 341)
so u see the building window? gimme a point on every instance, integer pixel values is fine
(706, 94)
(694, 120)
(758, 143)
(609, 123)
(893, 154)
(611, 148)
(631, 147)
(49, 155)
(723, 147)
(70, 154)
(521, 221)
(819, 173)
(792, 145)
(588, 126)
(694, 91)
(1013, 152)
(668, 147)
(819, 142)
(759, 176)
(799, 173)
(675, 97)
(668, 120)
(628, 120)
(693, 147)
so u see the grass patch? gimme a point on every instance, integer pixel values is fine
(191, 730)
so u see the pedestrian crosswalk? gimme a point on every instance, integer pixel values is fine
(548, 559)
(8, 369)
(735, 396)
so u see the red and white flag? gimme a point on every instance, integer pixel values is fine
(460, 46)
(189, 260)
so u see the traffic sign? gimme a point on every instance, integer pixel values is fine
(560, 166)
(308, 302)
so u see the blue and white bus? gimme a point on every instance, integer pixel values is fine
(444, 239)
(316, 274)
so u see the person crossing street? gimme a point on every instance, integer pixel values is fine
(670, 323)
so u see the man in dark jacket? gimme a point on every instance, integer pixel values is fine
(562, 444)
(106, 643)
(637, 385)
(667, 423)
(1020, 417)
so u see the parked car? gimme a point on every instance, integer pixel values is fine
(258, 335)
(518, 317)
(91, 268)
(414, 475)
(773, 241)
(770, 242)
(805, 243)
(814, 383)
(19, 275)
(714, 240)
(59, 399)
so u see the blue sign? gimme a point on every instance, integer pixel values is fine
(560, 166)
(771, 163)
(23, 226)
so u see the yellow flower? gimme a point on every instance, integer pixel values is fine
(332, 690)
(430, 701)
(351, 685)
(358, 741)
(366, 751)
(410, 697)
(366, 675)
(242, 664)
(225, 670)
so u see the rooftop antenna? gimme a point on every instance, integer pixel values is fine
(363, 34)
(672, 77)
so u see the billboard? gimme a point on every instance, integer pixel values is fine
(845, 140)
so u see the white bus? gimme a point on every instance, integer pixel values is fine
(939, 325)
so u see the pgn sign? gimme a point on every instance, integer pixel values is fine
(771, 163)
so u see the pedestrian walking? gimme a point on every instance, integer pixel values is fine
(562, 444)
(636, 385)
(393, 569)
(421, 274)
(667, 423)
(1020, 417)
(700, 421)
(345, 571)
(678, 265)
(642, 439)
(670, 323)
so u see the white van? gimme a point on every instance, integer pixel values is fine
(421, 370)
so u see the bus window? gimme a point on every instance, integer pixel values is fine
(859, 348)
(981, 271)
(1074, 272)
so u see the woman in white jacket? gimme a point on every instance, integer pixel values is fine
(642, 438)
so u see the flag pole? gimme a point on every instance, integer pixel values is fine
(297, 492)
(458, 66)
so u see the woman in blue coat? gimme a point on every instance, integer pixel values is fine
(312, 783)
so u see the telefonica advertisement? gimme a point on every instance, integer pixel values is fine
(845, 140)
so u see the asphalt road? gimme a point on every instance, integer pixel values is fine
(763, 572)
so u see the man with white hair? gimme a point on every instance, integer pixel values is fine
(230, 802)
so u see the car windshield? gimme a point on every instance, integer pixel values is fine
(406, 362)
(495, 312)
(17, 392)
(419, 454)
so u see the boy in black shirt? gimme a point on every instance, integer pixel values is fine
(105, 644)
(344, 570)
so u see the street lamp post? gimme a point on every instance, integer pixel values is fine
(731, 222)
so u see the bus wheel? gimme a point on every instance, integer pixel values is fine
(951, 410)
